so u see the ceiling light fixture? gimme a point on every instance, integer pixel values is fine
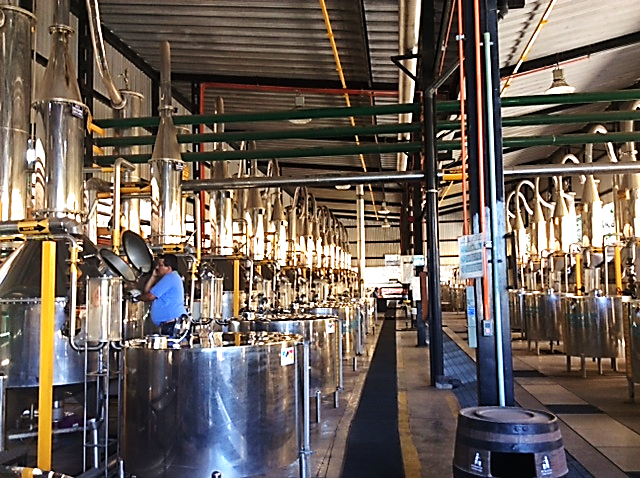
(299, 104)
(386, 223)
(343, 187)
(559, 84)
(383, 208)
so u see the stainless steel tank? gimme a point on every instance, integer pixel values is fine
(543, 316)
(137, 322)
(62, 117)
(632, 341)
(350, 326)
(132, 109)
(322, 335)
(460, 295)
(20, 344)
(594, 326)
(20, 311)
(516, 309)
(229, 406)
(211, 303)
(104, 309)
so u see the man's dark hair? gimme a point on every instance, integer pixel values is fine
(170, 260)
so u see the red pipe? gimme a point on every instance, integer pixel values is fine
(202, 169)
(479, 104)
(446, 42)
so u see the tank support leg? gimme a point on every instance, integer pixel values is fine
(583, 366)
(336, 398)
(355, 364)
(318, 404)
(614, 364)
(600, 371)
(568, 363)
(631, 389)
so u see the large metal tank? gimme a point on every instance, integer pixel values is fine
(20, 311)
(229, 406)
(322, 335)
(594, 326)
(350, 321)
(543, 316)
(516, 309)
(632, 341)
(62, 119)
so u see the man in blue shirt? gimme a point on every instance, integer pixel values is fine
(165, 291)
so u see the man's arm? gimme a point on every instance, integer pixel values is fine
(147, 296)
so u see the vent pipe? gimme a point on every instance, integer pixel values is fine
(118, 101)
(131, 109)
(15, 100)
(166, 166)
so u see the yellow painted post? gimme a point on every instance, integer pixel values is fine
(617, 260)
(578, 273)
(236, 287)
(45, 390)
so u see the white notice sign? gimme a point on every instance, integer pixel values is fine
(471, 250)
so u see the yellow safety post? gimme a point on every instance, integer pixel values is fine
(236, 287)
(617, 260)
(45, 391)
(578, 274)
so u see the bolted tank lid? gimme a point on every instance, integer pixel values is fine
(117, 265)
(137, 251)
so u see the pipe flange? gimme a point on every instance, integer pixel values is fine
(61, 28)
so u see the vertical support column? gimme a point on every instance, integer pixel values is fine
(418, 249)
(362, 259)
(45, 390)
(427, 76)
(490, 305)
(3, 411)
(405, 233)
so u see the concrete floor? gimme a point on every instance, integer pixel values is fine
(600, 426)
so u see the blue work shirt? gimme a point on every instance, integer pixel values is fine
(169, 302)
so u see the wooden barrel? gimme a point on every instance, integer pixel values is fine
(502, 442)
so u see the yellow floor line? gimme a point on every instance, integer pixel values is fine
(410, 458)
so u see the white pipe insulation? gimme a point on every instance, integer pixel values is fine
(408, 43)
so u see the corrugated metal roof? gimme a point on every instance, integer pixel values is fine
(260, 54)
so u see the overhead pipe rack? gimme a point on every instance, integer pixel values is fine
(541, 100)
(268, 154)
(536, 120)
(343, 112)
(552, 140)
(306, 133)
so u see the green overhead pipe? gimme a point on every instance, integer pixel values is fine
(342, 112)
(539, 100)
(533, 120)
(265, 154)
(307, 133)
(553, 140)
